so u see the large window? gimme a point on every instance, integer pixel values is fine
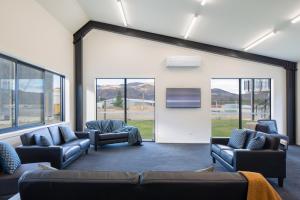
(239, 103)
(29, 95)
(130, 100)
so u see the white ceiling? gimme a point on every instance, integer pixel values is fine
(227, 23)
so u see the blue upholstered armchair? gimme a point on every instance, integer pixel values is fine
(270, 127)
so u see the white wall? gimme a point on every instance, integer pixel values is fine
(30, 34)
(108, 55)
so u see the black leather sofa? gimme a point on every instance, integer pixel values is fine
(78, 185)
(101, 132)
(9, 183)
(270, 161)
(60, 155)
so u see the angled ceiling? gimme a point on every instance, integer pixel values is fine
(226, 23)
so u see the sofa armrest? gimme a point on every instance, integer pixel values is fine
(93, 135)
(219, 140)
(32, 154)
(271, 163)
(82, 135)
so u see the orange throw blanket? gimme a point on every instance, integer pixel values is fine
(259, 188)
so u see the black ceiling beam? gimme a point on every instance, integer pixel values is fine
(183, 43)
(289, 66)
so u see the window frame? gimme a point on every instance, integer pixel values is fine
(240, 114)
(15, 125)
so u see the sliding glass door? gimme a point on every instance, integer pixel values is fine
(130, 100)
(239, 103)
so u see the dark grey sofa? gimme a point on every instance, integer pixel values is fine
(270, 161)
(9, 183)
(78, 185)
(60, 155)
(101, 132)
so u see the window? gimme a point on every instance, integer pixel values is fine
(239, 103)
(53, 98)
(7, 98)
(29, 95)
(130, 100)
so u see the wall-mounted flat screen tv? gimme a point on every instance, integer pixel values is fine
(183, 98)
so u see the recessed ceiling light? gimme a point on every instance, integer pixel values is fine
(186, 35)
(122, 11)
(295, 20)
(260, 40)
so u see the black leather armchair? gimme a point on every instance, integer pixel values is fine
(270, 161)
(60, 155)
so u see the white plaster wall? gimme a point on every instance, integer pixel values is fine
(109, 55)
(30, 33)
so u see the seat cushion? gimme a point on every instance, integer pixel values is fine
(83, 143)
(69, 151)
(9, 159)
(111, 136)
(67, 134)
(227, 155)
(9, 183)
(42, 132)
(216, 148)
(237, 138)
(56, 135)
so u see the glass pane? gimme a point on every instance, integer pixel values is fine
(247, 101)
(110, 99)
(262, 97)
(31, 89)
(52, 98)
(7, 89)
(140, 106)
(224, 106)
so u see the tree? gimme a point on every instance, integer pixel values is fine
(119, 101)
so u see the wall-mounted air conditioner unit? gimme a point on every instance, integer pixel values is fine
(183, 62)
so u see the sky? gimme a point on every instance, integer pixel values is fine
(230, 85)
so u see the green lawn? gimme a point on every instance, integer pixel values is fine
(146, 127)
(223, 128)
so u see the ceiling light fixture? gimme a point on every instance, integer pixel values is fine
(122, 11)
(260, 40)
(295, 20)
(191, 26)
(203, 2)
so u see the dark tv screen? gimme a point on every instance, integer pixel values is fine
(183, 98)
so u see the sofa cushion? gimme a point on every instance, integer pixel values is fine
(9, 159)
(83, 143)
(250, 135)
(257, 142)
(227, 155)
(67, 133)
(271, 124)
(69, 151)
(272, 141)
(93, 125)
(237, 138)
(111, 136)
(42, 132)
(9, 183)
(216, 148)
(44, 141)
(56, 135)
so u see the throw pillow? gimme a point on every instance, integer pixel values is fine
(44, 141)
(209, 169)
(237, 138)
(257, 142)
(9, 159)
(67, 133)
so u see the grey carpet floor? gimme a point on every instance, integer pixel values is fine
(176, 157)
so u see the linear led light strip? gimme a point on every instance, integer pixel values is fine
(295, 20)
(186, 35)
(260, 40)
(122, 11)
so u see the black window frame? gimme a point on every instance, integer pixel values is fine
(15, 125)
(125, 101)
(240, 114)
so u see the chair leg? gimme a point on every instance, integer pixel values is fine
(280, 182)
(86, 151)
(96, 146)
(214, 160)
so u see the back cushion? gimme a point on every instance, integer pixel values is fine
(271, 142)
(42, 132)
(56, 135)
(93, 125)
(271, 124)
(250, 135)
(67, 133)
(237, 138)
